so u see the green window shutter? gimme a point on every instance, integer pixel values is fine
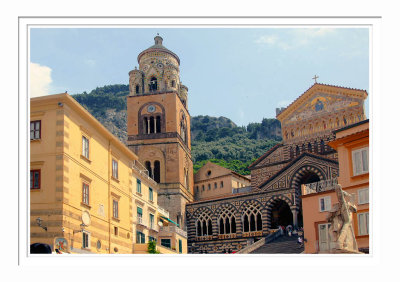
(139, 210)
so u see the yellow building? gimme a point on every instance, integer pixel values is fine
(84, 183)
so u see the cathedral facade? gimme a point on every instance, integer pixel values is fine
(236, 221)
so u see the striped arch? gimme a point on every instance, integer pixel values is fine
(270, 204)
(295, 180)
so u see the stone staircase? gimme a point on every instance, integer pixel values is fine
(282, 245)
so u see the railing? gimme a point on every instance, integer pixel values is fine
(320, 186)
(163, 211)
(260, 242)
(173, 229)
(142, 171)
(139, 220)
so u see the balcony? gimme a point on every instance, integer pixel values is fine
(172, 229)
(320, 186)
(163, 211)
(140, 221)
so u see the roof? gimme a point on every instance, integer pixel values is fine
(350, 126)
(158, 47)
(315, 85)
(266, 154)
(67, 99)
(317, 156)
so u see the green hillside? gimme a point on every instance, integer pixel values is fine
(215, 139)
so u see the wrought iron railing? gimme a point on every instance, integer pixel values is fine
(320, 186)
(175, 229)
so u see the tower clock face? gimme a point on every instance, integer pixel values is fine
(151, 108)
(160, 65)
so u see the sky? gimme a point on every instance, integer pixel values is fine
(240, 73)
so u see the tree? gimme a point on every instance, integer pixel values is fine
(151, 248)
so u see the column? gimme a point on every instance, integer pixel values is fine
(148, 126)
(294, 212)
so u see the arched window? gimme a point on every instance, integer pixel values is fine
(297, 150)
(158, 124)
(303, 148)
(157, 171)
(344, 120)
(315, 146)
(183, 132)
(148, 167)
(151, 125)
(309, 147)
(137, 89)
(146, 125)
(322, 146)
(227, 222)
(203, 224)
(153, 84)
(252, 220)
(291, 153)
(173, 83)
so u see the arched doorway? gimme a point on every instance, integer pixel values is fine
(280, 214)
(306, 178)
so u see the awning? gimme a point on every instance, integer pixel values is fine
(170, 220)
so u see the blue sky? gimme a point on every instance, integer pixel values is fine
(239, 73)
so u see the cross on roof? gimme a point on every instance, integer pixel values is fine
(315, 78)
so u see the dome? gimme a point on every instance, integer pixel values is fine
(158, 47)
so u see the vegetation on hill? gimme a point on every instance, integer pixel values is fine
(218, 140)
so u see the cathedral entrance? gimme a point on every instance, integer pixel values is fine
(308, 177)
(280, 214)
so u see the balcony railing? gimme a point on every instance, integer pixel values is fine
(174, 229)
(320, 186)
(163, 212)
(139, 220)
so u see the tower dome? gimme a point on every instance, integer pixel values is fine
(158, 47)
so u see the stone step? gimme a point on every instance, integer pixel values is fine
(282, 245)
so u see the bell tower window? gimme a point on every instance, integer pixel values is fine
(137, 89)
(153, 84)
(173, 83)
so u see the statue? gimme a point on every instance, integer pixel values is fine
(341, 230)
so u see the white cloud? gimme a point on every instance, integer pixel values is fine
(40, 80)
(294, 38)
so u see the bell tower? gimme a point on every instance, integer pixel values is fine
(158, 125)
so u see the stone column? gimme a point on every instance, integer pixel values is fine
(294, 212)
(148, 126)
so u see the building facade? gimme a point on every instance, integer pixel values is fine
(352, 145)
(212, 180)
(86, 186)
(276, 177)
(158, 125)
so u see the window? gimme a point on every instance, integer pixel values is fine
(153, 84)
(139, 215)
(215, 185)
(137, 89)
(360, 161)
(35, 130)
(157, 171)
(152, 221)
(325, 204)
(152, 239)
(363, 223)
(222, 184)
(85, 147)
(173, 83)
(166, 243)
(115, 208)
(363, 196)
(115, 169)
(150, 194)
(85, 240)
(85, 193)
(202, 187)
(138, 186)
(209, 186)
(180, 246)
(197, 189)
(115, 230)
(140, 238)
(35, 179)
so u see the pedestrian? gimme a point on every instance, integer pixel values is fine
(300, 241)
(281, 228)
